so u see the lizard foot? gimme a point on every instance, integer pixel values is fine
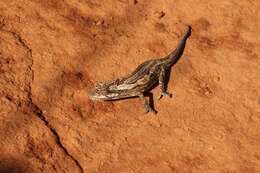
(148, 109)
(164, 94)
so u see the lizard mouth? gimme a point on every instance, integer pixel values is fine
(93, 97)
(96, 98)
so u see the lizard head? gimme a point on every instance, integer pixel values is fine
(102, 92)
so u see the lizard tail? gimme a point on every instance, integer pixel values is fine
(174, 56)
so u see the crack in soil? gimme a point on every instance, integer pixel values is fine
(35, 109)
(40, 115)
(23, 44)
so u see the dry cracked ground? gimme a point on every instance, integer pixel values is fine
(52, 52)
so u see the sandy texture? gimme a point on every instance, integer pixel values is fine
(52, 52)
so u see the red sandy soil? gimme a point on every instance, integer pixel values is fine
(53, 52)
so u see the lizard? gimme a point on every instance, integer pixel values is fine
(147, 75)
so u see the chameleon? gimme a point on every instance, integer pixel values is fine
(147, 75)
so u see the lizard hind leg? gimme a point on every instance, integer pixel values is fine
(163, 80)
(147, 106)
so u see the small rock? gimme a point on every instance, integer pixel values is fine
(100, 22)
(160, 14)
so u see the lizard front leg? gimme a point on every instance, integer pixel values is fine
(147, 106)
(162, 83)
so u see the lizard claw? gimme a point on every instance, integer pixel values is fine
(164, 94)
(149, 109)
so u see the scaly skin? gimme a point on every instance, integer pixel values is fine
(142, 79)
